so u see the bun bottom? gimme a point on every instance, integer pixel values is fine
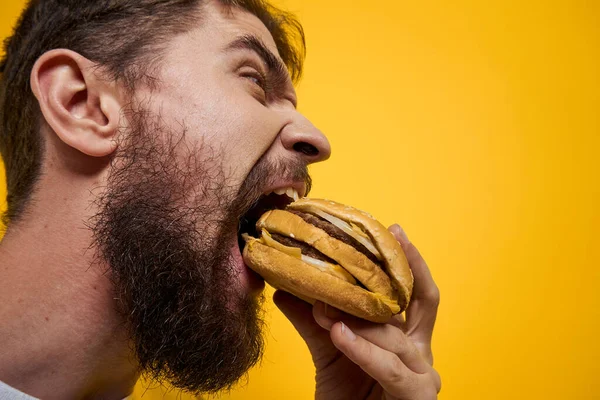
(292, 275)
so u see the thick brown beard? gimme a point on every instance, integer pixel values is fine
(173, 277)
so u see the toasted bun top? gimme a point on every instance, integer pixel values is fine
(395, 260)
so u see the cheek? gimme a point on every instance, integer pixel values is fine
(221, 119)
(249, 135)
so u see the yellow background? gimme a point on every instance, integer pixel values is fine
(475, 124)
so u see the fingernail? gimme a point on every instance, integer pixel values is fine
(402, 234)
(332, 312)
(346, 331)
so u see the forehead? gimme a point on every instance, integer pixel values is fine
(221, 25)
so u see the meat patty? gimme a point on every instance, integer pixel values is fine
(337, 233)
(306, 249)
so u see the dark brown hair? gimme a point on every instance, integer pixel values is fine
(125, 38)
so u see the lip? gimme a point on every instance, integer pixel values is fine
(249, 280)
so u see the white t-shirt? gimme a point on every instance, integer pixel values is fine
(10, 393)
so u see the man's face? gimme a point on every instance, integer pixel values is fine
(219, 130)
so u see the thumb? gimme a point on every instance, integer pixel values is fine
(300, 315)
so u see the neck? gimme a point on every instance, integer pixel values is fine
(61, 336)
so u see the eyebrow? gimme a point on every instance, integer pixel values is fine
(275, 66)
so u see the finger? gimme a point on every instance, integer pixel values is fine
(326, 315)
(300, 315)
(422, 310)
(399, 234)
(398, 321)
(385, 336)
(382, 365)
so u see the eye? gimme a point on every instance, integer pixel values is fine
(256, 77)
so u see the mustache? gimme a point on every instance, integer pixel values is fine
(264, 174)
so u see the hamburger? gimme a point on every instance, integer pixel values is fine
(322, 250)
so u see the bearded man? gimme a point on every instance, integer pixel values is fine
(135, 136)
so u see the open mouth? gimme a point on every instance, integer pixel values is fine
(266, 202)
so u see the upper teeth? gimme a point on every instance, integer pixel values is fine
(290, 192)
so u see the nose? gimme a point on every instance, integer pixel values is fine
(304, 139)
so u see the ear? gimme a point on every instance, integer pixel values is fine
(81, 108)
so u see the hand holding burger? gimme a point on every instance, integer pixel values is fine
(326, 252)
